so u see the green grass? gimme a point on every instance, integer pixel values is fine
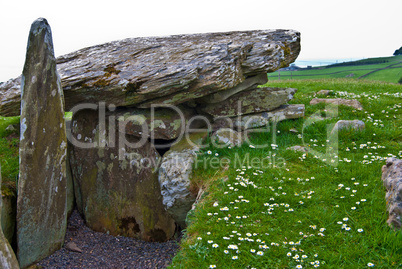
(280, 205)
(9, 142)
(9, 153)
(361, 68)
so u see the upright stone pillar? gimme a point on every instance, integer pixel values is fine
(41, 204)
(7, 256)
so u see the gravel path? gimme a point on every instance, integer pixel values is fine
(100, 250)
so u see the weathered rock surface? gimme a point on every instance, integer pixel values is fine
(256, 120)
(392, 179)
(10, 97)
(168, 70)
(352, 103)
(41, 210)
(251, 101)
(248, 84)
(174, 176)
(8, 260)
(158, 123)
(226, 137)
(116, 181)
(356, 125)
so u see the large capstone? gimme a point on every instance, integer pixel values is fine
(116, 179)
(166, 70)
(41, 213)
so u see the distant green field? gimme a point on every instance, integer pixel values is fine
(387, 69)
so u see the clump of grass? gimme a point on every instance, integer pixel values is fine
(276, 208)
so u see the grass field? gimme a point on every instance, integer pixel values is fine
(276, 208)
(388, 69)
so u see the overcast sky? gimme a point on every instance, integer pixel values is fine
(329, 29)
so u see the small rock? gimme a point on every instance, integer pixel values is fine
(73, 247)
(324, 92)
(227, 137)
(298, 148)
(10, 128)
(352, 103)
(357, 125)
(392, 179)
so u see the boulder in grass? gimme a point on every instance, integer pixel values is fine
(356, 125)
(352, 103)
(392, 179)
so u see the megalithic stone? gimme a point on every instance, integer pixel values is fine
(42, 199)
(7, 256)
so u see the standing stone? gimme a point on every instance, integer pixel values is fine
(7, 256)
(41, 203)
(115, 179)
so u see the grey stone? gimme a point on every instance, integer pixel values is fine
(298, 148)
(41, 210)
(116, 181)
(11, 128)
(256, 120)
(324, 92)
(356, 125)
(249, 83)
(8, 260)
(73, 247)
(251, 101)
(352, 103)
(165, 70)
(392, 179)
(174, 176)
(158, 123)
(226, 137)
